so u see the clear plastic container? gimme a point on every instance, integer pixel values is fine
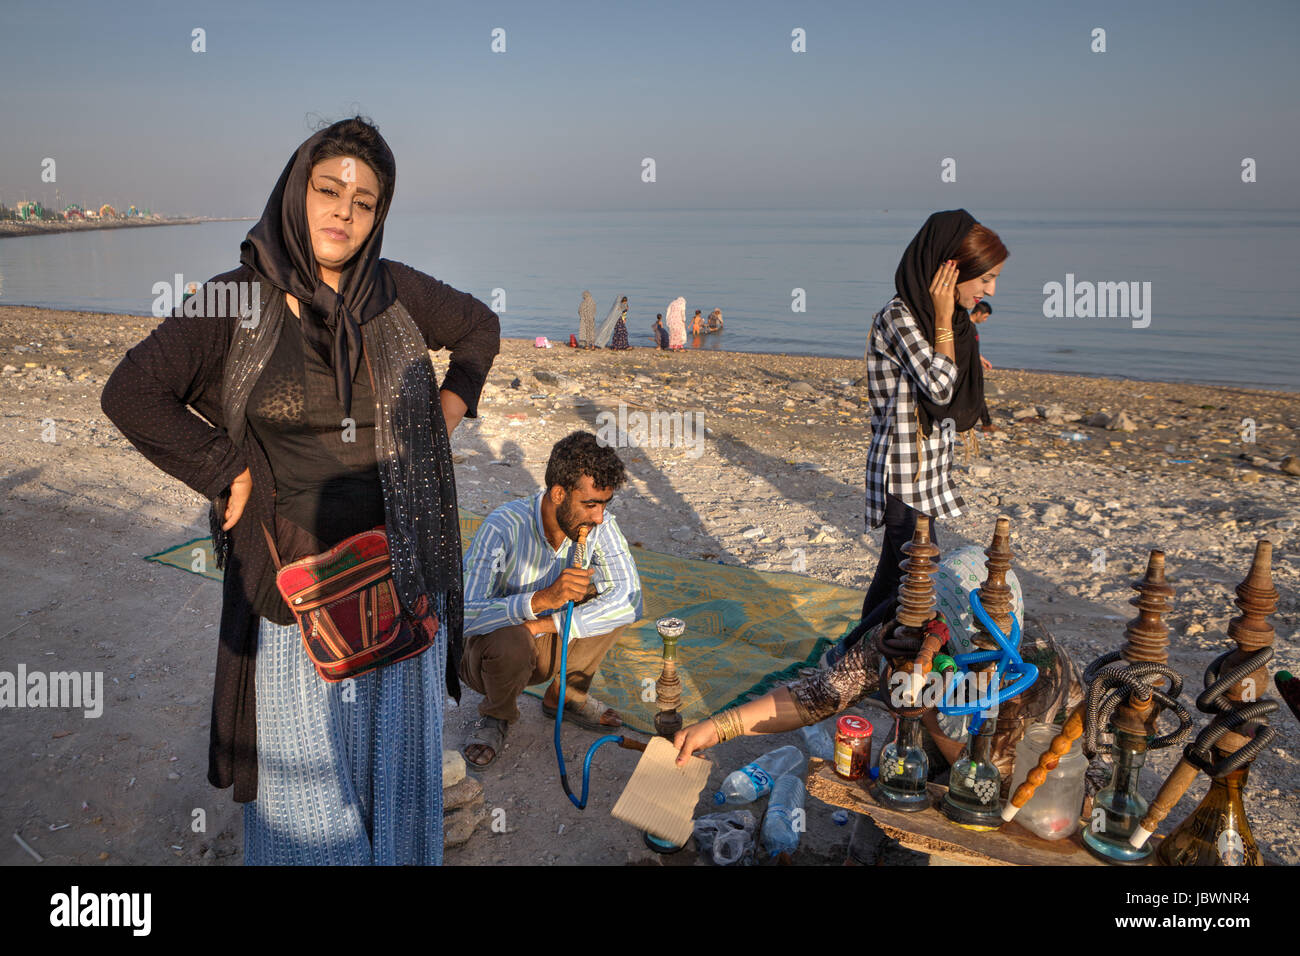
(1053, 811)
(755, 779)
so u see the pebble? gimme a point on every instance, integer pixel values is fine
(1122, 423)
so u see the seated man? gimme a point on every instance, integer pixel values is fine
(517, 581)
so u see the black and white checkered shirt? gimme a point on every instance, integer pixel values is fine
(900, 461)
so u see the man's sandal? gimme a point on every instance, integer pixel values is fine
(489, 732)
(586, 716)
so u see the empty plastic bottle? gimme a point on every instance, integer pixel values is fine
(755, 779)
(784, 820)
(819, 739)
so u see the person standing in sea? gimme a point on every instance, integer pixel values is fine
(925, 384)
(326, 420)
(620, 341)
(586, 321)
(677, 323)
(659, 333)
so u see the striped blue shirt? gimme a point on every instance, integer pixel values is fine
(510, 560)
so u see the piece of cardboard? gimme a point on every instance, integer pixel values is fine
(661, 796)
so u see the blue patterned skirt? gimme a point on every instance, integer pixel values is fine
(348, 773)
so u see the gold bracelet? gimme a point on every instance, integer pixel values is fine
(720, 728)
(728, 725)
(722, 722)
(737, 725)
(942, 335)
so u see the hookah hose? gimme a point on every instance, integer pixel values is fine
(581, 803)
(1111, 684)
(1009, 664)
(1229, 716)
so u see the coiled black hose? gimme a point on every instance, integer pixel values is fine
(1230, 715)
(1111, 684)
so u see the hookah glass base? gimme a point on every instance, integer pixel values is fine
(971, 819)
(903, 770)
(1107, 835)
(660, 846)
(1217, 833)
(974, 788)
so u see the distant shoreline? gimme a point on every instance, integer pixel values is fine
(10, 230)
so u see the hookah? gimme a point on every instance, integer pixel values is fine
(975, 783)
(579, 561)
(910, 651)
(668, 697)
(1124, 699)
(1218, 832)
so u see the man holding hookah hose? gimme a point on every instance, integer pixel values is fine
(518, 580)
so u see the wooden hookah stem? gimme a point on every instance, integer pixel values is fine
(995, 593)
(1251, 630)
(916, 600)
(1146, 636)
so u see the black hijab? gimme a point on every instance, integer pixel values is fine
(938, 240)
(279, 250)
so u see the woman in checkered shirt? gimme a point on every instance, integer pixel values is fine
(924, 384)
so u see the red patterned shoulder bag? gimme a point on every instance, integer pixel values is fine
(347, 607)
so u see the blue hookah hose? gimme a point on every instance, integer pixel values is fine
(581, 804)
(1009, 664)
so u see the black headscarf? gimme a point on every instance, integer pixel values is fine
(938, 240)
(279, 250)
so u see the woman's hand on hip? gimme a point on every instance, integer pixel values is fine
(943, 291)
(240, 489)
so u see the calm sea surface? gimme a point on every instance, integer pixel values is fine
(1224, 286)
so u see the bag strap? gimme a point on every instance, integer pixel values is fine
(270, 543)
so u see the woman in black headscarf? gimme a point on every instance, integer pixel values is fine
(925, 384)
(326, 420)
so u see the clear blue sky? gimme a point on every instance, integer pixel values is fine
(711, 91)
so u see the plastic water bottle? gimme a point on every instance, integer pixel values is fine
(819, 740)
(784, 811)
(755, 779)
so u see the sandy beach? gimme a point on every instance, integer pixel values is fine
(779, 472)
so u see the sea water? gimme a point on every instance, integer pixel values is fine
(1221, 304)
